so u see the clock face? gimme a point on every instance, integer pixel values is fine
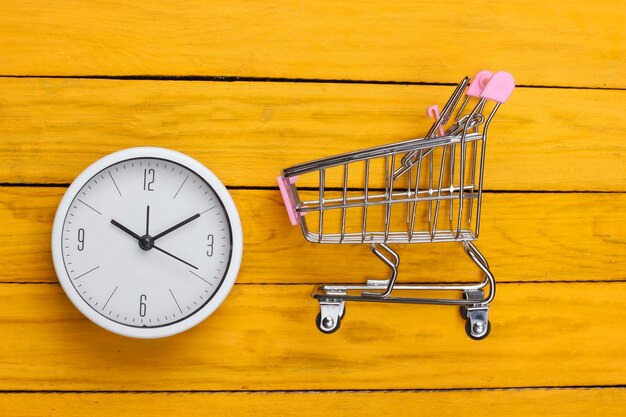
(146, 243)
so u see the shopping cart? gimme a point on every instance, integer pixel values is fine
(416, 191)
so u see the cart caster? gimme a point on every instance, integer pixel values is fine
(478, 331)
(477, 325)
(474, 295)
(327, 325)
(332, 311)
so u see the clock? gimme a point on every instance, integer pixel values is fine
(147, 242)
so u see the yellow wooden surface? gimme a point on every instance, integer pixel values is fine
(546, 139)
(512, 403)
(525, 237)
(264, 338)
(576, 43)
(553, 217)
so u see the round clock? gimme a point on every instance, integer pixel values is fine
(147, 242)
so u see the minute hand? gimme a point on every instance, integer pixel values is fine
(171, 229)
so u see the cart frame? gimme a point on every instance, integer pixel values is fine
(455, 187)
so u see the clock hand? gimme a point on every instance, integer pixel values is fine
(147, 220)
(171, 229)
(173, 256)
(127, 230)
(149, 243)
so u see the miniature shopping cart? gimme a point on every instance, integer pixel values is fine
(416, 191)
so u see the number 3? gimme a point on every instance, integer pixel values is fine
(209, 251)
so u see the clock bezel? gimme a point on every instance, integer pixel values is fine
(236, 242)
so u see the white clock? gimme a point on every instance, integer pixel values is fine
(147, 242)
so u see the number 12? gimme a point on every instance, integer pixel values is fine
(147, 182)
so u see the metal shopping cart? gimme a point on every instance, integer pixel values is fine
(416, 191)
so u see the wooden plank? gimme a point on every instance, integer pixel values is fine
(263, 338)
(544, 139)
(525, 237)
(512, 403)
(543, 43)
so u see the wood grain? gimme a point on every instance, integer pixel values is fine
(543, 139)
(263, 338)
(525, 237)
(156, 73)
(542, 43)
(512, 403)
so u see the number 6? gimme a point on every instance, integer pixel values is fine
(142, 305)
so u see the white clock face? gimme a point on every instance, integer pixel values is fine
(146, 243)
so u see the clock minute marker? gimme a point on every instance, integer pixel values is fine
(181, 186)
(89, 206)
(201, 278)
(83, 274)
(114, 183)
(176, 301)
(209, 209)
(110, 296)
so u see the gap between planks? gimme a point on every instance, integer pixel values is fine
(325, 391)
(560, 402)
(232, 78)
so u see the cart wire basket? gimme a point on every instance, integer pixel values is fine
(416, 191)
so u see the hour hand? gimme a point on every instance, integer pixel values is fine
(126, 229)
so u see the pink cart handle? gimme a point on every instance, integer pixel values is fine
(478, 83)
(433, 111)
(283, 185)
(499, 87)
(475, 89)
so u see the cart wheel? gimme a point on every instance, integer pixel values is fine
(468, 330)
(464, 308)
(328, 328)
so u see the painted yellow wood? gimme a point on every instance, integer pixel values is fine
(543, 139)
(525, 237)
(543, 43)
(263, 338)
(512, 403)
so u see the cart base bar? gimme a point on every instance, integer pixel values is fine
(474, 304)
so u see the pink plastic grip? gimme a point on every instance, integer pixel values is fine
(499, 87)
(478, 83)
(433, 111)
(283, 186)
